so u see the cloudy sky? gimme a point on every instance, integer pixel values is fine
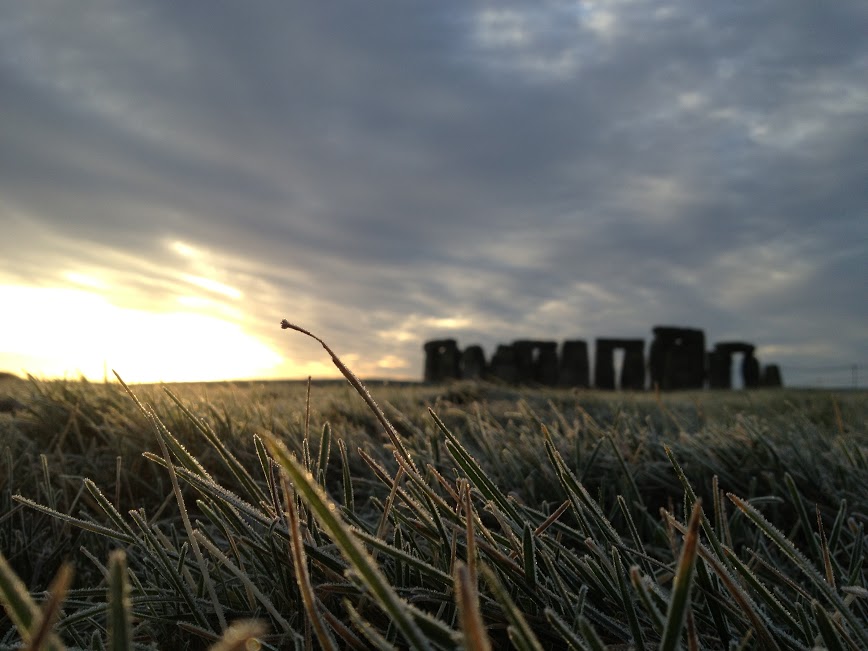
(177, 177)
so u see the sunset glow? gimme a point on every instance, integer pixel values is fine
(483, 172)
(71, 332)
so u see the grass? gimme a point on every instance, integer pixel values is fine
(460, 516)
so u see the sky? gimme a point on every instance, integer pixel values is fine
(177, 177)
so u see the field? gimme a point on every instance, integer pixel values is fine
(460, 516)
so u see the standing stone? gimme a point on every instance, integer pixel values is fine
(574, 366)
(536, 361)
(546, 371)
(604, 365)
(677, 358)
(633, 366)
(473, 363)
(772, 376)
(503, 365)
(524, 359)
(719, 369)
(750, 371)
(441, 360)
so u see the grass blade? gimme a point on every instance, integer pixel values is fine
(529, 555)
(349, 498)
(627, 601)
(120, 635)
(827, 629)
(159, 428)
(786, 546)
(679, 603)
(360, 388)
(569, 636)
(327, 514)
(301, 574)
(22, 610)
(50, 611)
(325, 444)
(472, 626)
(521, 633)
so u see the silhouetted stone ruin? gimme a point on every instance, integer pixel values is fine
(472, 363)
(772, 376)
(504, 366)
(441, 360)
(632, 368)
(536, 361)
(720, 365)
(574, 367)
(677, 360)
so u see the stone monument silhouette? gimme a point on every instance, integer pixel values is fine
(677, 360)
(720, 365)
(441, 360)
(632, 368)
(574, 370)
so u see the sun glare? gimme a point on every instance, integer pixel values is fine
(185, 250)
(212, 286)
(56, 332)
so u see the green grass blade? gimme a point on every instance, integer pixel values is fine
(747, 606)
(349, 498)
(327, 513)
(592, 638)
(634, 534)
(827, 629)
(325, 444)
(627, 601)
(642, 589)
(82, 524)
(474, 471)
(804, 519)
(625, 470)
(817, 579)
(569, 636)
(579, 494)
(261, 597)
(20, 607)
(108, 508)
(425, 569)
(529, 555)
(299, 562)
(229, 459)
(835, 533)
(188, 527)
(362, 390)
(367, 629)
(120, 634)
(44, 636)
(521, 633)
(680, 600)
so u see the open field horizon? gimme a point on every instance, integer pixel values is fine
(852, 377)
(525, 199)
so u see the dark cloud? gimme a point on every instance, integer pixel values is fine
(387, 173)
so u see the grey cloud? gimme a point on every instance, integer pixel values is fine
(369, 164)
